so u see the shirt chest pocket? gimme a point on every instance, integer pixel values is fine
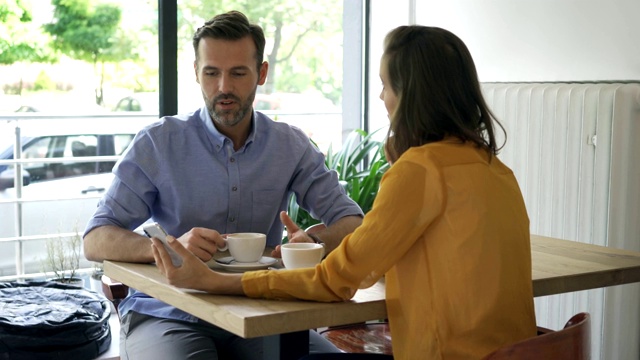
(265, 206)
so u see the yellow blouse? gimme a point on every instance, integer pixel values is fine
(450, 231)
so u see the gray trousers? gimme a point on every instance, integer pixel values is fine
(145, 337)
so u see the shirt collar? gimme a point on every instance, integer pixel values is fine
(218, 138)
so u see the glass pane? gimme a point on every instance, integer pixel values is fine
(385, 16)
(121, 142)
(304, 51)
(36, 150)
(48, 65)
(83, 145)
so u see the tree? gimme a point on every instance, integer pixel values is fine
(298, 34)
(89, 32)
(19, 40)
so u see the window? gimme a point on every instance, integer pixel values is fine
(309, 51)
(120, 142)
(310, 48)
(304, 48)
(36, 150)
(56, 147)
(68, 147)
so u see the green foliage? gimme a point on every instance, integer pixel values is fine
(19, 37)
(82, 32)
(43, 82)
(360, 165)
(304, 40)
(90, 33)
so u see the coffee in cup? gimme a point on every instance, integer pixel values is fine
(301, 255)
(246, 247)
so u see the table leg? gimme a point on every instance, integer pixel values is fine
(289, 346)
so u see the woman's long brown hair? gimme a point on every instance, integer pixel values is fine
(434, 78)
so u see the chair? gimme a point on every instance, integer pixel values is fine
(363, 338)
(114, 291)
(570, 343)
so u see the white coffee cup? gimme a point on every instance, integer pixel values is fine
(246, 247)
(301, 255)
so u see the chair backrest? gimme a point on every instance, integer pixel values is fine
(571, 343)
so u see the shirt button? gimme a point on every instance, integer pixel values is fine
(232, 219)
(235, 188)
(232, 160)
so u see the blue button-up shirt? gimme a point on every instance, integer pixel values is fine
(183, 173)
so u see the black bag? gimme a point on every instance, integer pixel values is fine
(50, 320)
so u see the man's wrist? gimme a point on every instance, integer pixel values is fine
(315, 239)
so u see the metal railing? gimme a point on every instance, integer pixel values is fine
(17, 162)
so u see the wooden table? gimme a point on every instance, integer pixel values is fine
(559, 266)
(284, 324)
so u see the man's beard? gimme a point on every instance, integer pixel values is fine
(230, 118)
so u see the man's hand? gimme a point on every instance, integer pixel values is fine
(202, 242)
(294, 233)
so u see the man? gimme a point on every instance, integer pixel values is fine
(221, 169)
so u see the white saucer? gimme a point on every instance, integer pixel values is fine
(231, 265)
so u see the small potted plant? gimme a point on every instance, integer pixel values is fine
(63, 259)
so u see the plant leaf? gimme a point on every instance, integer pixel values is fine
(360, 164)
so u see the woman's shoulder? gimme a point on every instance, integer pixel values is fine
(449, 152)
(443, 156)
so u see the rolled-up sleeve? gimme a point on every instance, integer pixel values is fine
(319, 191)
(128, 200)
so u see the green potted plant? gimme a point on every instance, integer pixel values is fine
(360, 165)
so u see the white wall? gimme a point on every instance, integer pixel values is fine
(522, 40)
(544, 40)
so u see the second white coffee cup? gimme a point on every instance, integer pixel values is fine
(301, 255)
(246, 247)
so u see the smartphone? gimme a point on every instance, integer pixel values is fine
(156, 231)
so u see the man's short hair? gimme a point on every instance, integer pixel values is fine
(232, 25)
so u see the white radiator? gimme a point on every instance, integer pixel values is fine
(575, 150)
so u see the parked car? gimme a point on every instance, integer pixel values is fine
(149, 102)
(146, 102)
(46, 185)
(26, 108)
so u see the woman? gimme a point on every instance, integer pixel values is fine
(448, 228)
